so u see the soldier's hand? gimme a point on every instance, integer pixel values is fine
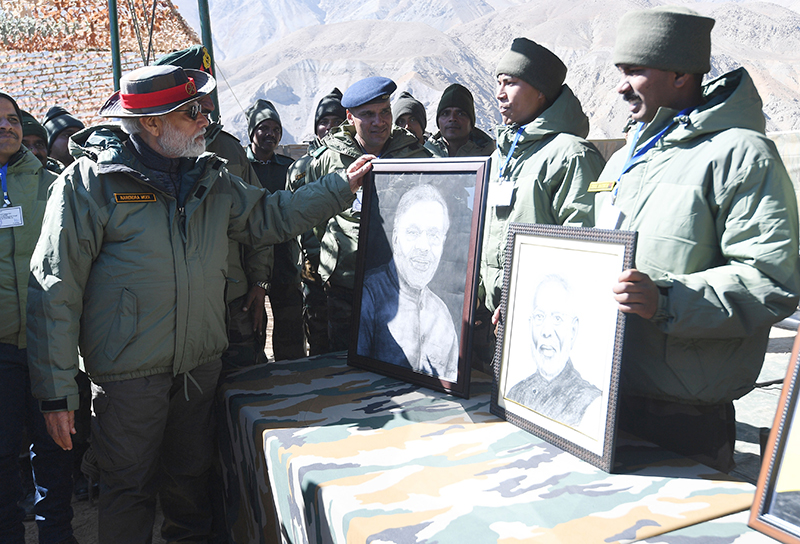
(60, 426)
(496, 320)
(357, 171)
(255, 303)
(636, 293)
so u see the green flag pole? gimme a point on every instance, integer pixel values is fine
(205, 30)
(116, 63)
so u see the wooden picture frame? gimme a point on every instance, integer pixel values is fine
(559, 343)
(420, 332)
(776, 507)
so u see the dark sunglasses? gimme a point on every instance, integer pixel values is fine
(193, 111)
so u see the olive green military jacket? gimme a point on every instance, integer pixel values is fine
(246, 266)
(339, 241)
(716, 217)
(478, 145)
(550, 170)
(135, 278)
(27, 183)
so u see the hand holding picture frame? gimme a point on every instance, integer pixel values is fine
(776, 508)
(417, 270)
(559, 344)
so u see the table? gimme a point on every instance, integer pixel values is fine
(316, 451)
(731, 529)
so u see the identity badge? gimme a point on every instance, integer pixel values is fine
(11, 217)
(500, 194)
(610, 217)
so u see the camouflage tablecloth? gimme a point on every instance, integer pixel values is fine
(348, 456)
(730, 529)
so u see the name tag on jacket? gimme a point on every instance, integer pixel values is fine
(124, 198)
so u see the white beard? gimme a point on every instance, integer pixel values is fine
(174, 144)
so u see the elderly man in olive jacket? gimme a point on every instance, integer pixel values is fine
(131, 269)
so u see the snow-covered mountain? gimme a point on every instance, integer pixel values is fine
(293, 52)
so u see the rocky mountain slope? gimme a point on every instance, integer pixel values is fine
(293, 52)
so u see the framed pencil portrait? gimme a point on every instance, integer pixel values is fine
(776, 508)
(417, 270)
(559, 344)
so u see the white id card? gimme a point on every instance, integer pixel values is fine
(11, 217)
(500, 194)
(610, 217)
(357, 201)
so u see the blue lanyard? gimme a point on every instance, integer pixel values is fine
(634, 157)
(510, 151)
(3, 173)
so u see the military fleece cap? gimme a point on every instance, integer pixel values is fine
(457, 96)
(331, 104)
(32, 127)
(195, 57)
(368, 90)
(56, 120)
(406, 104)
(670, 38)
(535, 65)
(259, 112)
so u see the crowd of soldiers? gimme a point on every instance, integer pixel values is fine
(149, 244)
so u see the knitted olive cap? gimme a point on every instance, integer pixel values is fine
(535, 65)
(56, 120)
(259, 112)
(406, 104)
(330, 104)
(32, 127)
(670, 38)
(457, 96)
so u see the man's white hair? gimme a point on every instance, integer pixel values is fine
(131, 125)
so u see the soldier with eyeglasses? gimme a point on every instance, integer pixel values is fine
(131, 268)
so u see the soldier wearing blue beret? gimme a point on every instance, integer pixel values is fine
(368, 129)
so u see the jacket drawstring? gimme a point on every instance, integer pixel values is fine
(186, 377)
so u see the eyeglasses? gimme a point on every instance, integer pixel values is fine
(193, 111)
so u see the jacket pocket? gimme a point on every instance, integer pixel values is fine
(123, 327)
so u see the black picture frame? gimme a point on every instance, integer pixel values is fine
(380, 340)
(776, 506)
(561, 332)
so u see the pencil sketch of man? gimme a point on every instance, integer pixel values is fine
(402, 321)
(555, 390)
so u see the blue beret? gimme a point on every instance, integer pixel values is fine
(367, 90)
